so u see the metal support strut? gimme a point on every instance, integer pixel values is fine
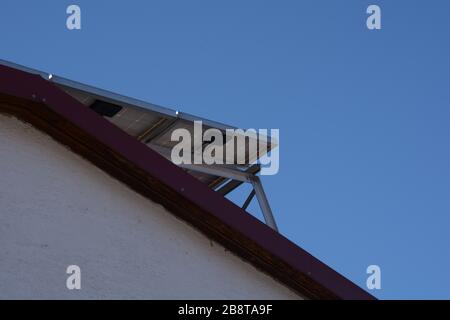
(241, 176)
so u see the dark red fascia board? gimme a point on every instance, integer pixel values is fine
(52, 110)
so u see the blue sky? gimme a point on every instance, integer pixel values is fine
(363, 115)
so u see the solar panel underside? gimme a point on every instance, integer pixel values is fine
(148, 126)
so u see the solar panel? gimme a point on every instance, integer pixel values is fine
(153, 127)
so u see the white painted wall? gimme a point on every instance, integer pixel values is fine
(56, 209)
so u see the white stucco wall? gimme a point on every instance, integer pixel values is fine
(56, 209)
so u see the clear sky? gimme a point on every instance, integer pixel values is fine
(363, 115)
